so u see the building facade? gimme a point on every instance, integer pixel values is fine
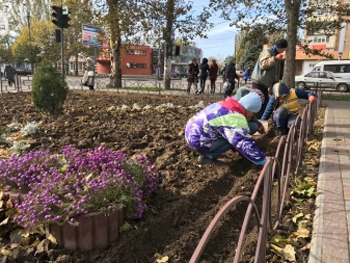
(338, 45)
(4, 25)
(142, 60)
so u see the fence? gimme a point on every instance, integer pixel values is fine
(281, 165)
(149, 86)
(146, 86)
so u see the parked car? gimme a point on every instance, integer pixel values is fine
(322, 79)
(23, 71)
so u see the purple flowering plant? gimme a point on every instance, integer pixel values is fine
(58, 187)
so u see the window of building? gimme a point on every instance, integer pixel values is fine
(135, 65)
(320, 39)
(136, 52)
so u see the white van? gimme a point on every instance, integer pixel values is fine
(339, 67)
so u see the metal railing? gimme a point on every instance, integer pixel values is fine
(277, 167)
(151, 86)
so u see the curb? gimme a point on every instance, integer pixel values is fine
(315, 255)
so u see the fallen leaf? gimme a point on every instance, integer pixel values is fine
(295, 218)
(52, 239)
(306, 247)
(163, 259)
(5, 252)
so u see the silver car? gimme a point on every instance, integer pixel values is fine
(322, 79)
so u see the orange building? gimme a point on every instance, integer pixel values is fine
(305, 63)
(137, 60)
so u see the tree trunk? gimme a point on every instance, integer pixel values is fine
(116, 72)
(292, 10)
(168, 43)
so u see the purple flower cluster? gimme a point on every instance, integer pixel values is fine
(58, 187)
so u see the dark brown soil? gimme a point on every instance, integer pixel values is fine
(189, 195)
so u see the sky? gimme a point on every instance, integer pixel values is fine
(221, 38)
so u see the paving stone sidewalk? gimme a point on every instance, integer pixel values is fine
(331, 228)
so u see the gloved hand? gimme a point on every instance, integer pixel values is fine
(233, 150)
(261, 167)
(279, 57)
(312, 99)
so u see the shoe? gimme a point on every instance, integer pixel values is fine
(206, 160)
(281, 132)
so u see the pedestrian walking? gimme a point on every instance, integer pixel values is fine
(246, 75)
(223, 126)
(10, 73)
(231, 76)
(223, 71)
(213, 74)
(203, 74)
(268, 70)
(89, 74)
(192, 76)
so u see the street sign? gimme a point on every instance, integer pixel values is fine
(91, 36)
(64, 10)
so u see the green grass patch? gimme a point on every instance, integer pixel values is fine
(336, 97)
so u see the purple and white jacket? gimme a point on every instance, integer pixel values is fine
(223, 120)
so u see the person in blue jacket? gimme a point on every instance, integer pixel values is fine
(284, 106)
(246, 75)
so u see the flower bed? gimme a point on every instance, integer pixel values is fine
(59, 187)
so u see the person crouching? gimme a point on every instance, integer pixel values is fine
(222, 126)
(284, 105)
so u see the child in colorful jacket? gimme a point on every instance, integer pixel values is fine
(222, 126)
(284, 105)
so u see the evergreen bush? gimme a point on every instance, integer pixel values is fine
(49, 89)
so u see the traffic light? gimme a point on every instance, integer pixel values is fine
(177, 50)
(58, 35)
(60, 20)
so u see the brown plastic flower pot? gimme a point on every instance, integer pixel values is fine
(95, 231)
(16, 198)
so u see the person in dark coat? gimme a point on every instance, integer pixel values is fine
(213, 74)
(192, 75)
(231, 75)
(10, 73)
(204, 74)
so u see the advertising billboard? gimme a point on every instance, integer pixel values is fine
(91, 36)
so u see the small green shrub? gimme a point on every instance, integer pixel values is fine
(49, 89)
